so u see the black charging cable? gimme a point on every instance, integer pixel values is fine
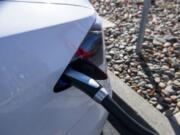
(97, 92)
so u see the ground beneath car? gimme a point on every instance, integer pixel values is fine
(156, 74)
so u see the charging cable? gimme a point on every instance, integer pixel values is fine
(97, 92)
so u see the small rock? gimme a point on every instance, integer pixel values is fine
(165, 50)
(178, 104)
(177, 75)
(116, 56)
(178, 95)
(133, 64)
(108, 57)
(139, 91)
(156, 42)
(176, 110)
(153, 99)
(109, 47)
(165, 77)
(176, 65)
(157, 79)
(142, 83)
(149, 86)
(135, 87)
(145, 93)
(160, 107)
(116, 73)
(176, 83)
(174, 98)
(176, 45)
(172, 105)
(169, 90)
(130, 48)
(162, 85)
(165, 67)
(170, 38)
(169, 73)
(126, 57)
(119, 61)
(116, 67)
(162, 40)
(111, 52)
(127, 78)
(133, 39)
(153, 102)
(167, 44)
(168, 100)
(140, 73)
(121, 46)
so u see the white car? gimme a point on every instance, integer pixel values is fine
(38, 39)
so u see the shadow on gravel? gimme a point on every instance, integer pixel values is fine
(149, 73)
(118, 126)
(160, 98)
(175, 126)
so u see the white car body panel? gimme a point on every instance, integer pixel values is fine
(40, 15)
(36, 46)
(82, 3)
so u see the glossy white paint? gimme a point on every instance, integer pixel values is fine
(19, 17)
(83, 3)
(37, 41)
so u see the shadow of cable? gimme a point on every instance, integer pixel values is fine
(160, 98)
(149, 73)
(175, 126)
(121, 128)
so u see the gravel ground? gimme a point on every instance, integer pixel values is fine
(156, 74)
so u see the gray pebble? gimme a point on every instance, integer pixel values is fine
(108, 57)
(170, 38)
(159, 107)
(169, 90)
(177, 75)
(157, 79)
(176, 83)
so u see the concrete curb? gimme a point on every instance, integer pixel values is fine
(152, 116)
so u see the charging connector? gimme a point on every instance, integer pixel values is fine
(98, 93)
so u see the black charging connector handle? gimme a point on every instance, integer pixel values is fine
(93, 89)
(81, 81)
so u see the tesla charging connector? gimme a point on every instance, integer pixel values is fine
(88, 85)
(97, 92)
